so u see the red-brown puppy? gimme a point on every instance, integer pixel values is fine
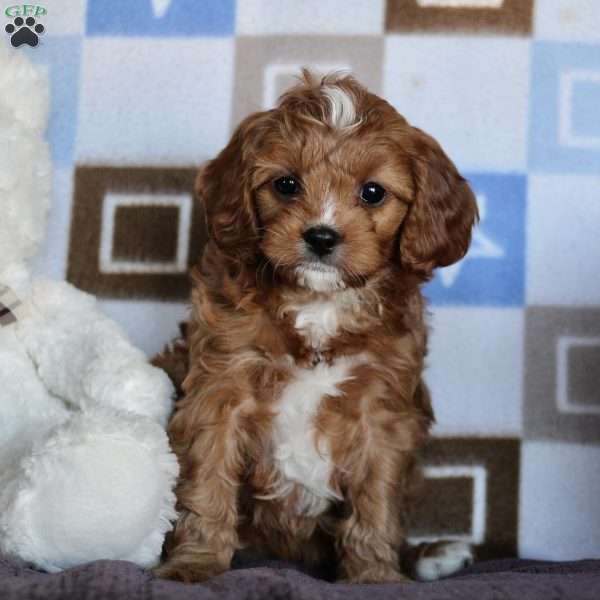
(304, 400)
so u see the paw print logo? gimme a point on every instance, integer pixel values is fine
(24, 31)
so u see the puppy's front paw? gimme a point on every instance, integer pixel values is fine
(188, 572)
(374, 574)
(441, 559)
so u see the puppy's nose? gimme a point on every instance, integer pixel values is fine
(321, 240)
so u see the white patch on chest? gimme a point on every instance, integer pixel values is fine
(317, 322)
(298, 457)
(321, 320)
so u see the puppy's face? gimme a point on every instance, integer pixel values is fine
(330, 204)
(332, 187)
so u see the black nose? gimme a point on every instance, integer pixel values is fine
(322, 240)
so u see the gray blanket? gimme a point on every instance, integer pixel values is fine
(117, 580)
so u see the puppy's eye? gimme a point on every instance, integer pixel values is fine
(372, 193)
(287, 186)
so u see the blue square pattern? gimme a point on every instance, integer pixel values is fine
(162, 18)
(585, 118)
(61, 55)
(565, 108)
(492, 272)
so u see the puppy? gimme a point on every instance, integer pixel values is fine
(304, 403)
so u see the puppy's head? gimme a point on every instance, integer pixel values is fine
(332, 187)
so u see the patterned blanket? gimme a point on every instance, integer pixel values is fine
(143, 91)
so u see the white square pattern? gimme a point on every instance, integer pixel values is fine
(567, 20)
(63, 17)
(168, 99)
(423, 75)
(560, 487)
(340, 17)
(475, 370)
(562, 239)
(461, 3)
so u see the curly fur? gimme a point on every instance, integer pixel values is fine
(304, 402)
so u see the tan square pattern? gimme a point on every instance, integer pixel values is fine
(465, 16)
(267, 65)
(562, 375)
(135, 232)
(471, 493)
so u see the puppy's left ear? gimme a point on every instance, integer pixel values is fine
(437, 229)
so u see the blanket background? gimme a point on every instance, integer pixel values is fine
(143, 91)
(121, 580)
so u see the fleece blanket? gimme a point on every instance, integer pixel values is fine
(143, 91)
(118, 580)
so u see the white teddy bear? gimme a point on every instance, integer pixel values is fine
(86, 471)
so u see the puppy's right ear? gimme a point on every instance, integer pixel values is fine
(437, 230)
(224, 185)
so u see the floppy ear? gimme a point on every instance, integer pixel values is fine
(437, 229)
(225, 188)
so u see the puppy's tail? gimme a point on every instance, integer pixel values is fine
(433, 560)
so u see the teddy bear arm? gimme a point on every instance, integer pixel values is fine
(85, 358)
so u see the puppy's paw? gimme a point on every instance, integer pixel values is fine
(375, 574)
(441, 559)
(187, 572)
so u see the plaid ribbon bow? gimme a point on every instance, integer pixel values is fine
(11, 307)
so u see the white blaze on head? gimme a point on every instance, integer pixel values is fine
(342, 112)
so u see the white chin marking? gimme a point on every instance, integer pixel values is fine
(448, 558)
(321, 278)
